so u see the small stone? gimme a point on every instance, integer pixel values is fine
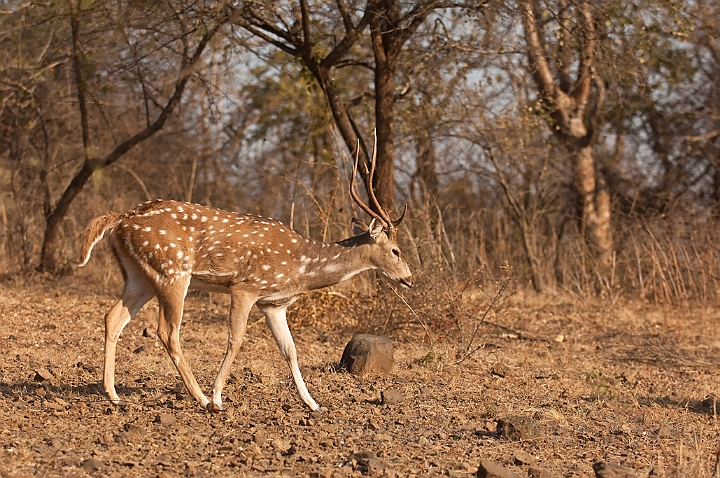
(149, 332)
(516, 428)
(367, 353)
(107, 439)
(664, 432)
(392, 396)
(165, 419)
(382, 437)
(43, 374)
(134, 430)
(281, 446)
(164, 474)
(377, 466)
(534, 472)
(501, 370)
(139, 349)
(259, 439)
(522, 458)
(92, 464)
(657, 470)
(490, 469)
(604, 469)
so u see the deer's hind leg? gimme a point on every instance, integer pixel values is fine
(136, 293)
(171, 300)
(237, 324)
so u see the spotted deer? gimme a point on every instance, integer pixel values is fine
(165, 248)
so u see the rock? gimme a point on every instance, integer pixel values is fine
(165, 419)
(376, 466)
(391, 396)
(107, 439)
(368, 463)
(534, 472)
(281, 446)
(516, 428)
(604, 469)
(522, 458)
(134, 430)
(259, 439)
(92, 464)
(657, 470)
(490, 469)
(500, 370)
(149, 332)
(367, 353)
(139, 349)
(43, 374)
(164, 474)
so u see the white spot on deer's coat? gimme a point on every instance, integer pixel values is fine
(162, 232)
(180, 209)
(148, 229)
(180, 255)
(194, 216)
(136, 227)
(173, 215)
(301, 270)
(146, 243)
(280, 276)
(203, 219)
(294, 241)
(172, 244)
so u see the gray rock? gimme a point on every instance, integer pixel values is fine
(367, 353)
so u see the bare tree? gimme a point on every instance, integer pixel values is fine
(190, 58)
(304, 33)
(572, 100)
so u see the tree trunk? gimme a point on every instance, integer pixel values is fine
(595, 204)
(384, 183)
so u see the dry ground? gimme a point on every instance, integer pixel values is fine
(627, 384)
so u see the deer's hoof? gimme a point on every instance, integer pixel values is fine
(214, 408)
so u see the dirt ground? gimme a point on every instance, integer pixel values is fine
(627, 384)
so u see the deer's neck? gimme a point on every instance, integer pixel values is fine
(323, 264)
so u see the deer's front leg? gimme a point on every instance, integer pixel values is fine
(237, 324)
(277, 321)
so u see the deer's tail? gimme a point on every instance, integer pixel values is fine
(95, 231)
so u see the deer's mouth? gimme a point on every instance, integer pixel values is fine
(406, 282)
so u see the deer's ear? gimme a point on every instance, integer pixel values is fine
(358, 227)
(376, 228)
